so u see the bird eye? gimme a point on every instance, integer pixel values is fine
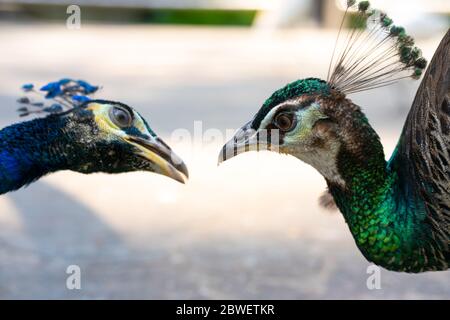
(121, 117)
(285, 121)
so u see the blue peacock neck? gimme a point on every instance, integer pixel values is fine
(30, 150)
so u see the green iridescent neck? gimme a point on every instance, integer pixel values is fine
(384, 222)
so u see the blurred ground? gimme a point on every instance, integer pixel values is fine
(250, 228)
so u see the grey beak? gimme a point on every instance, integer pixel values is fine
(248, 139)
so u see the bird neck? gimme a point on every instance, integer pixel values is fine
(31, 149)
(377, 214)
(365, 182)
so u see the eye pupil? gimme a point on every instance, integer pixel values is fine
(121, 117)
(284, 122)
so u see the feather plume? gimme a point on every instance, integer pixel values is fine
(55, 97)
(376, 55)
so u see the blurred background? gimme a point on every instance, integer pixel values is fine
(249, 229)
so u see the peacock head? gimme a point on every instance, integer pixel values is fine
(101, 135)
(116, 138)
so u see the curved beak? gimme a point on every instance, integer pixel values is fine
(164, 161)
(248, 139)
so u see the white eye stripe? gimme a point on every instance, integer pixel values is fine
(269, 116)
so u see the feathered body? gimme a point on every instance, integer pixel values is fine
(387, 217)
(398, 211)
(29, 150)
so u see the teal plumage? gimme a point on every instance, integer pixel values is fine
(389, 223)
(294, 89)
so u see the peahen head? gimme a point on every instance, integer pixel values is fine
(80, 134)
(307, 119)
(313, 120)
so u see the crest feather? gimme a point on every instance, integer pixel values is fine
(55, 97)
(376, 55)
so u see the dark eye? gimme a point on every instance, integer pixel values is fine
(285, 121)
(121, 117)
